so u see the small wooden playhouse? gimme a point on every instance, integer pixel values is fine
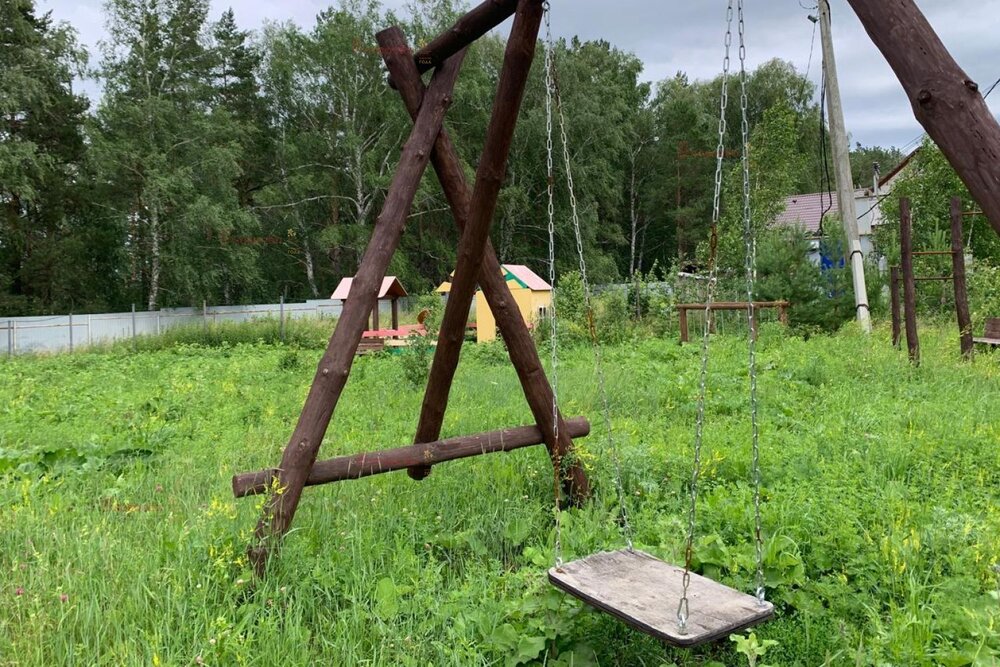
(532, 294)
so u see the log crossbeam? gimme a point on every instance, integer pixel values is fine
(357, 466)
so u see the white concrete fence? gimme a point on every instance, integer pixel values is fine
(55, 333)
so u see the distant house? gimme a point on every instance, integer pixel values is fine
(391, 290)
(810, 212)
(532, 294)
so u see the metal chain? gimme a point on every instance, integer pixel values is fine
(751, 269)
(553, 321)
(683, 607)
(587, 296)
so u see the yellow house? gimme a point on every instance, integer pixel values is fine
(532, 295)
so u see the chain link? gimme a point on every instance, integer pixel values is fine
(553, 93)
(683, 607)
(751, 270)
(553, 321)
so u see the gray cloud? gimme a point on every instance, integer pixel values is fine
(670, 37)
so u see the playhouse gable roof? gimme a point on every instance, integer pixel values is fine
(391, 288)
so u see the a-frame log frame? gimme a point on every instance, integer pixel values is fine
(521, 347)
(476, 259)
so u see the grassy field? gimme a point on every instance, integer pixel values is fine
(120, 542)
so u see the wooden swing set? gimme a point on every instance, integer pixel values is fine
(634, 587)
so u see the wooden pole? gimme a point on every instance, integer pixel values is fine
(466, 30)
(909, 284)
(682, 317)
(958, 272)
(335, 365)
(945, 101)
(842, 169)
(395, 313)
(894, 301)
(520, 345)
(376, 463)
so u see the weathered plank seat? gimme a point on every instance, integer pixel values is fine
(370, 345)
(644, 592)
(991, 335)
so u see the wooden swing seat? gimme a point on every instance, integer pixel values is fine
(643, 591)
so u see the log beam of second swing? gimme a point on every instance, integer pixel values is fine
(945, 100)
(376, 463)
(520, 345)
(335, 365)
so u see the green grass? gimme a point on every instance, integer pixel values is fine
(120, 543)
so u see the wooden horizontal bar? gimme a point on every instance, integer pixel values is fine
(932, 252)
(466, 30)
(374, 463)
(732, 305)
(934, 278)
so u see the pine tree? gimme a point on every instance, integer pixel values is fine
(41, 151)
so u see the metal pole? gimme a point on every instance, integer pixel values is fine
(204, 314)
(71, 333)
(89, 333)
(133, 326)
(10, 338)
(281, 318)
(842, 164)
(157, 323)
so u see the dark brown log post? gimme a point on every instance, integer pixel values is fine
(375, 315)
(335, 365)
(520, 345)
(945, 100)
(894, 304)
(395, 313)
(909, 284)
(783, 313)
(682, 320)
(357, 466)
(958, 277)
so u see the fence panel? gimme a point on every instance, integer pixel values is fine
(55, 333)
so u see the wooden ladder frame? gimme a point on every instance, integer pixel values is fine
(473, 209)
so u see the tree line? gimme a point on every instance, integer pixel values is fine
(233, 166)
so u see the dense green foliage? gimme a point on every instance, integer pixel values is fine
(121, 544)
(232, 166)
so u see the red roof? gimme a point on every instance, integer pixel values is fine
(530, 279)
(391, 287)
(806, 211)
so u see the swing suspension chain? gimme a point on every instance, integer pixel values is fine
(553, 321)
(751, 269)
(553, 95)
(683, 607)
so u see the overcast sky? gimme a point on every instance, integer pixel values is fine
(671, 37)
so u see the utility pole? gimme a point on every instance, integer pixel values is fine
(842, 164)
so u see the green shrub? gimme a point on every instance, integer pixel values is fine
(984, 293)
(822, 300)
